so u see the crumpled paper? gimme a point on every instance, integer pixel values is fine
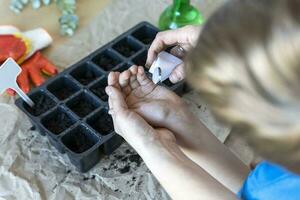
(30, 168)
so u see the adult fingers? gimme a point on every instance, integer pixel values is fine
(178, 74)
(180, 50)
(186, 37)
(161, 41)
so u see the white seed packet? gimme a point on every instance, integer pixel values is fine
(167, 63)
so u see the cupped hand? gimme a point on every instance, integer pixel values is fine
(127, 122)
(156, 104)
(185, 37)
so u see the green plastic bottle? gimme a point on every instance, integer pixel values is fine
(179, 14)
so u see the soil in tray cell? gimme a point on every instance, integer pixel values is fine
(42, 104)
(79, 140)
(102, 123)
(105, 61)
(58, 122)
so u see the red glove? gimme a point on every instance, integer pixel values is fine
(11, 46)
(32, 69)
(23, 48)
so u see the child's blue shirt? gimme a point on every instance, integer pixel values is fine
(269, 181)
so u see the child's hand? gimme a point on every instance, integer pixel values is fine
(156, 104)
(129, 124)
(157, 146)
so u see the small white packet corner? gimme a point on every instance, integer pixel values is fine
(167, 63)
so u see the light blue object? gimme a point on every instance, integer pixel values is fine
(269, 181)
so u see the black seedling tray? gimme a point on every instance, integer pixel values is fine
(72, 109)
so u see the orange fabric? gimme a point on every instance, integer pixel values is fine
(33, 68)
(15, 46)
(11, 46)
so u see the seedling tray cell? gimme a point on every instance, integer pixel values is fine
(42, 103)
(58, 121)
(107, 60)
(85, 73)
(99, 89)
(72, 109)
(63, 88)
(127, 47)
(140, 59)
(101, 122)
(83, 104)
(145, 34)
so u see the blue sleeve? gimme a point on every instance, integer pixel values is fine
(269, 181)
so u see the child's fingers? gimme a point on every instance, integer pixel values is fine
(124, 82)
(110, 78)
(116, 99)
(113, 79)
(133, 69)
(124, 78)
(142, 78)
(134, 82)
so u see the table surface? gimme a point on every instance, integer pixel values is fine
(47, 17)
(29, 166)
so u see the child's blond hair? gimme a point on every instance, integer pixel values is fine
(247, 66)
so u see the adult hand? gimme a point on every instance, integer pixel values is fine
(185, 37)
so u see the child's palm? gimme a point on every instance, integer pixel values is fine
(152, 102)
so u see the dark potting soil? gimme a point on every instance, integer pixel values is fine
(124, 169)
(58, 123)
(42, 104)
(63, 92)
(141, 61)
(87, 77)
(80, 143)
(89, 178)
(125, 163)
(147, 40)
(33, 128)
(106, 62)
(82, 107)
(99, 90)
(126, 50)
(104, 124)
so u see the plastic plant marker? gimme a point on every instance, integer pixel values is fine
(163, 66)
(9, 72)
